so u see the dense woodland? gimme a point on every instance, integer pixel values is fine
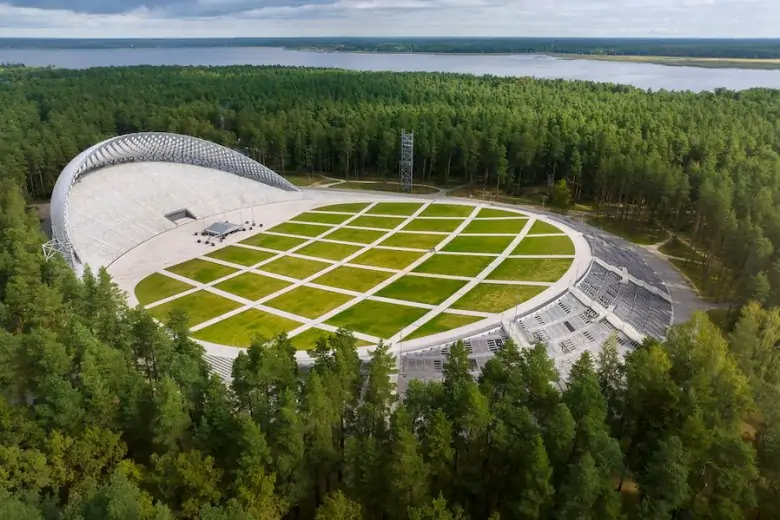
(104, 415)
(679, 47)
(704, 165)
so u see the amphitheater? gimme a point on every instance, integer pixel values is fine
(138, 204)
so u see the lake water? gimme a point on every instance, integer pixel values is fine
(642, 75)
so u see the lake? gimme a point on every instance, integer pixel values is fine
(642, 75)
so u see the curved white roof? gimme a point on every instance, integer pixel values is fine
(149, 147)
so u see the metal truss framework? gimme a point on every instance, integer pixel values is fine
(406, 165)
(148, 147)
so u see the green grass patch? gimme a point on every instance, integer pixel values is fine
(353, 278)
(678, 248)
(531, 269)
(389, 258)
(492, 297)
(433, 224)
(328, 250)
(294, 267)
(447, 210)
(543, 228)
(442, 323)
(545, 246)
(158, 286)
(421, 289)
(352, 207)
(239, 330)
(395, 208)
(377, 222)
(384, 186)
(307, 340)
(514, 226)
(252, 286)
(200, 306)
(412, 240)
(304, 230)
(379, 319)
(275, 242)
(358, 236)
(201, 271)
(492, 213)
(240, 255)
(454, 265)
(308, 302)
(631, 230)
(493, 245)
(303, 180)
(707, 285)
(322, 218)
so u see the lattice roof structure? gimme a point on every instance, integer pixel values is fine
(148, 147)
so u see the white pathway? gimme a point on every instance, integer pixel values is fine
(319, 322)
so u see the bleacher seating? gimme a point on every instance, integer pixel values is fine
(117, 208)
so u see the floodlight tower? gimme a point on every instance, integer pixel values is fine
(406, 163)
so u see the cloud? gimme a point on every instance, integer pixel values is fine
(274, 18)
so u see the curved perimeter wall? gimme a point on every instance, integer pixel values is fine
(149, 147)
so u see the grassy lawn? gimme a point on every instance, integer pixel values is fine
(442, 323)
(447, 210)
(384, 186)
(455, 265)
(676, 247)
(353, 278)
(274, 242)
(201, 271)
(543, 228)
(545, 246)
(352, 207)
(631, 230)
(240, 255)
(307, 340)
(395, 208)
(322, 218)
(303, 180)
(238, 330)
(412, 240)
(329, 250)
(478, 244)
(706, 285)
(390, 258)
(377, 222)
(252, 286)
(200, 306)
(308, 302)
(428, 224)
(358, 236)
(514, 225)
(492, 212)
(531, 269)
(158, 286)
(379, 319)
(488, 297)
(421, 289)
(294, 267)
(304, 230)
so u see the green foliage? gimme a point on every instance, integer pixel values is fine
(106, 414)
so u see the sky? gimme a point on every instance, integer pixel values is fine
(278, 18)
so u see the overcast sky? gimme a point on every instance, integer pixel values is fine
(272, 18)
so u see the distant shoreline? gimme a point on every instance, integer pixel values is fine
(670, 61)
(674, 61)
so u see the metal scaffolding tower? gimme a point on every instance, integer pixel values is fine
(406, 163)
